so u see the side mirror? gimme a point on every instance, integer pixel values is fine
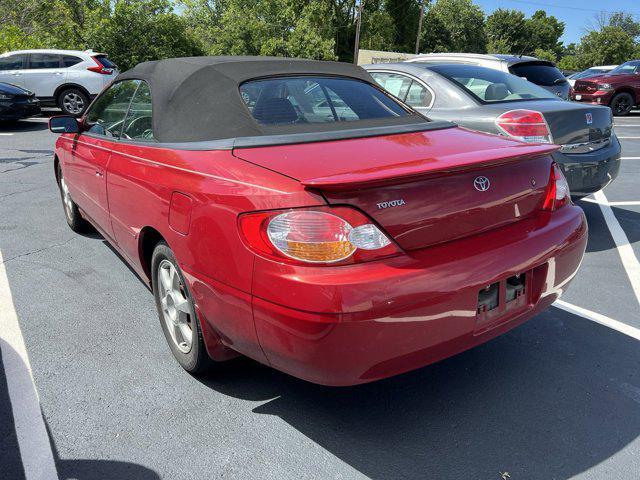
(64, 124)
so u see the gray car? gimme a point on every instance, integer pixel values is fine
(497, 102)
(540, 72)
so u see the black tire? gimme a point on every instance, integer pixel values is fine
(196, 360)
(73, 101)
(621, 104)
(71, 212)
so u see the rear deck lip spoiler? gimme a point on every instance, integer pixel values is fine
(439, 166)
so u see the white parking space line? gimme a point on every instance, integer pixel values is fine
(628, 257)
(626, 125)
(613, 204)
(35, 449)
(6, 134)
(599, 318)
(628, 138)
(629, 158)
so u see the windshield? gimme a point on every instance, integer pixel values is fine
(544, 74)
(626, 68)
(303, 100)
(590, 72)
(492, 86)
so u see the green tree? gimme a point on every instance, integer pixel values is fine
(506, 32)
(130, 31)
(135, 31)
(544, 32)
(404, 15)
(378, 30)
(625, 21)
(571, 49)
(543, 54)
(454, 26)
(570, 62)
(14, 38)
(253, 27)
(611, 45)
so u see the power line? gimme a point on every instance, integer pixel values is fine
(550, 5)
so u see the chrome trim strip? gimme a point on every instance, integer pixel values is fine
(585, 147)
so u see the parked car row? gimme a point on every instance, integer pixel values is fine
(17, 103)
(540, 72)
(619, 88)
(295, 212)
(494, 101)
(589, 72)
(67, 79)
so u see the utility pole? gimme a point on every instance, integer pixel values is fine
(419, 27)
(356, 48)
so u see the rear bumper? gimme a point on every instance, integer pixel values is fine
(590, 172)
(355, 324)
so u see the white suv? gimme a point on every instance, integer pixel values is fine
(68, 79)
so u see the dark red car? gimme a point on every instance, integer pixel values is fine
(293, 212)
(619, 89)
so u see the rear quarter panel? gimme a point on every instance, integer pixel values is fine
(217, 265)
(141, 180)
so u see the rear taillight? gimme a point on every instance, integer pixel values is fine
(100, 68)
(526, 125)
(319, 235)
(558, 193)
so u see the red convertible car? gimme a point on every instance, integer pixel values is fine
(293, 212)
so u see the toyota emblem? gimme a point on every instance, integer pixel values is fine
(482, 184)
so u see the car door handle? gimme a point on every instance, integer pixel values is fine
(16, 74)
(59, 73)
(99, 174)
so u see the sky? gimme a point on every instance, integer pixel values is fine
(576, 14)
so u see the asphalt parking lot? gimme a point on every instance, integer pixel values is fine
(556, 398)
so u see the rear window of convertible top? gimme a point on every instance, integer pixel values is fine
(311, 99)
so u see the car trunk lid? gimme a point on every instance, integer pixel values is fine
(423, 188)
(570, 123)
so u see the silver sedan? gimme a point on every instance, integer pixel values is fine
(497, 102)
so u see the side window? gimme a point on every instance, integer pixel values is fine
(418, 96)
(12, 62)
(44, 60)
(138, 125)
(395, 84)
(106, 114)
(70, 60)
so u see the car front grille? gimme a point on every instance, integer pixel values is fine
(587, 87)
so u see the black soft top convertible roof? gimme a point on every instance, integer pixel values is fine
(197, 99)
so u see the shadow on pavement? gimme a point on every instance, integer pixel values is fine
(550, 399)
(103, 470)
(600, 238)
(28, 125)
(11, 462)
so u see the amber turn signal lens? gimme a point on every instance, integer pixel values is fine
(311, 236)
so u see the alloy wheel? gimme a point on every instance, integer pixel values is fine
(73, 103)
(621, 105)
(176, 308)
(66, 199)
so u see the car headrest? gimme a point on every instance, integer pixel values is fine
(275, 110)
(496, 91)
